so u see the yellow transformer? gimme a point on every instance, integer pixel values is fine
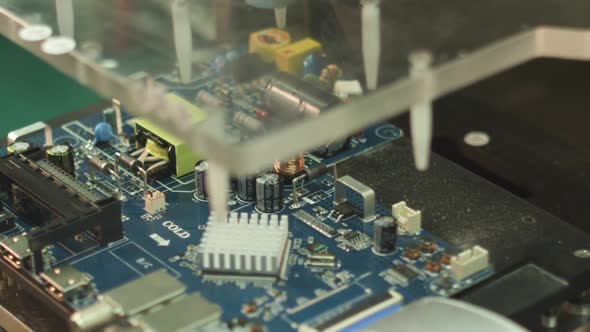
(267, 42)
(167, 146)
(291, 57)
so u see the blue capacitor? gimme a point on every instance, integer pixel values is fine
(103, 132)
(219, 62)
(314, 63)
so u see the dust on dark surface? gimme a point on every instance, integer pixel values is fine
(466, 210)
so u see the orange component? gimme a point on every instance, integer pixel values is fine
(266, 43)
(262, 114)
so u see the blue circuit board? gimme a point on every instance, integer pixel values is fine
(169, 240)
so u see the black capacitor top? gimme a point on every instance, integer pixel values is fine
(62, 156)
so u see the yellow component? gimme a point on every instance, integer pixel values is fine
(162, 143)
(267, 42)
(155, 150)
(291, 57)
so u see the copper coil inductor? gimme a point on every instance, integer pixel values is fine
(290, 168)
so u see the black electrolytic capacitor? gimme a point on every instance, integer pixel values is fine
(200, 179)
(385, 235)
(233, 184)
(269, 193)
(62, 156)
(247, 188)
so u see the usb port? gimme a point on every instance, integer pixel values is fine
(66, 282)
(15, 250)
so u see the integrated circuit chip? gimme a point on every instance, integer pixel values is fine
(344, 211)
(356, 240)
(403, 274)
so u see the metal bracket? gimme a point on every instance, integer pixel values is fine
(365, 191)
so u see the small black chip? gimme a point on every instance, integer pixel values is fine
(315, 247)
(403, 273)
(352, 236)
(345, 210)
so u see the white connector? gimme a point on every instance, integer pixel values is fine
(155, 201)
(469, 262)
(345, 89)
(409, 220)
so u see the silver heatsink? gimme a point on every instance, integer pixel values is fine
(246, 245)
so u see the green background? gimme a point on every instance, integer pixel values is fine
(33, 91)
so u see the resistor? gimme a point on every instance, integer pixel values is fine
(248, 122)
(128, 161)
(101, 165)
(262, 114)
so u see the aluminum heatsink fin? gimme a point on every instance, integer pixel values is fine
(255, 245)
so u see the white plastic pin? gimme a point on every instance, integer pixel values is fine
(371, 26)
(183, 38)
(421, 112)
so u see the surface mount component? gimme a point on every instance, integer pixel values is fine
(368, 195)
(408, 220)
(403, 274)
(248, 245)
(129, 300)
(187, 314)
(354, 240)
(365, 312)
(70, 206)
(66, 282)
(180, 156)
(469, 262)
(315, 223)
